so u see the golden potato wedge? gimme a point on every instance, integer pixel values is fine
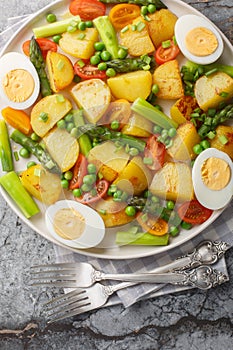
(182, 109)
(173, 182)
(60, 70)
(161, 26)
(138, 42)
(63, 148)
(93, 96)
(167, 77)
(208, 90)
(131, 85)
(78, 45)
(114, 212)
(183, 142)
(225, 131)
(41, 184)
(135, 177)
(137, 126)
(54, 108)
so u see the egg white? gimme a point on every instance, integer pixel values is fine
(94, 229)
(188, 22)
(11, 61)
(210, 198)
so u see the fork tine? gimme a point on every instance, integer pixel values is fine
(62, 284)
(67, 299)
(56, 272)
(69, 306)
(63, 296)
(75, 312)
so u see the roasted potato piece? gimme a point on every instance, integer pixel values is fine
(225, 131)
(60, 70)
(114, 212)
(131, 85)
(93, 96)
(208, 90)
(138, 42)
(173, 182)
(161, 26)
(78, 46)
(167, 77)
(183, 142)
(41, 184)
(138, 126)
(63, 148)
(183, 108)
(53, 108)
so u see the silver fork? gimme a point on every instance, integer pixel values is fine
(73, 275)
(82, 300)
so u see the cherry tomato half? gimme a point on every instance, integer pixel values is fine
(122, 14)
(155, 150)
(88, 71)
(79, 171)
(87, 9)
(193, 212)
(101, 190)
(163, 55)
(153, 225)
(45, 46)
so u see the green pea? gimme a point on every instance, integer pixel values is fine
(99, 46)
(174, 231)
(122, 53)
(56, 38)
(115, 125)
(24, 153)
(95, 60)
(30, 164)
(91, 168)
(69, 126)
(151, 8)
(157, 129)
(68, 175)
(86, 187)
(154, 199)
(34, 137)
(74, 132)
(105, 55)
(155, 89)
(89, 24)
(172, 132)
(102, 66)
(51, 17)
(89, 179)
(130, 210)
(64, 183)
(133, 151)
(197, 149)
(61, 124)
(110, 72)
(170, 205)
(77, 192)
(69, 117)
(82, 25)
(117, 194)
(144, 10)
(205, 144)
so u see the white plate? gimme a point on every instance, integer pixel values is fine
(37, 223)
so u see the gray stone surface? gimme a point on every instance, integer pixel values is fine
(185, 321)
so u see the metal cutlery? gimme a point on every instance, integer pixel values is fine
(75, 275)
(86, 299)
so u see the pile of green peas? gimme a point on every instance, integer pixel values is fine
(147, 9)
(165, 135)
(199, 147)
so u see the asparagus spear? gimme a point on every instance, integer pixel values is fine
(37, 150)
(11, 183)
(5, 148)
(131, 64)
(159, 4)
(38, 61)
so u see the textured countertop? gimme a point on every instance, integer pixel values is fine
(183, 321)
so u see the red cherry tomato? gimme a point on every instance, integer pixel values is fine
(153, 225)
(155, 150)
(88, 71)
(79, 171)
(163, 55)
(87, 9)
(101, 190)
(193, 212)
(45, 46)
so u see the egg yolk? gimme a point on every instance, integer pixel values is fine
(215, 173)
(18, 85)
(201, 41)
(69, 223)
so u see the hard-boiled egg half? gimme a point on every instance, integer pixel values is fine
(198, 39)
(212, 176)
(74, 224)
(19, 81)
